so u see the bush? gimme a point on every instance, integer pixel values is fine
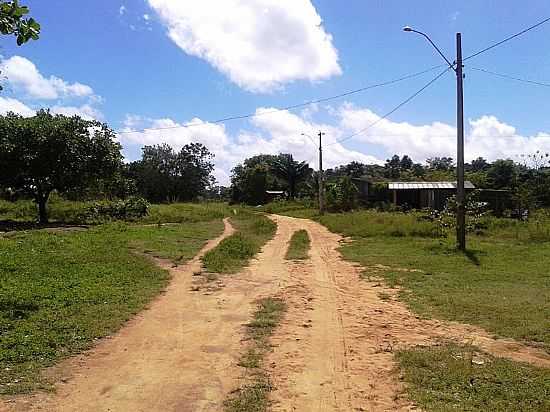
(129, 209)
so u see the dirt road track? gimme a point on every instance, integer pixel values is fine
(333, 351)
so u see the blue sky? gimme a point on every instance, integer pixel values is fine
(157, 63)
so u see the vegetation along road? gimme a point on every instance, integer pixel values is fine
(333, 349)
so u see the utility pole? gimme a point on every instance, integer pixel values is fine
(321, 176)
(460, 195)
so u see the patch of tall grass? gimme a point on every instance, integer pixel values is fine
(369, 223)
(234, 252)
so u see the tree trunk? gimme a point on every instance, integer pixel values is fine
(41, 200)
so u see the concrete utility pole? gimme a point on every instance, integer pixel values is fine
(321, 176)
(460, 192)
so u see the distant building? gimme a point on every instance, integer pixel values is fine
(273, 194)
(420, 195)
(415, 195)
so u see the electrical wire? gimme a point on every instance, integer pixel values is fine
(286, 108)
(540, 23)
(396, 108)
(506, 76)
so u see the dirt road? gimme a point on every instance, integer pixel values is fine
(333, 351)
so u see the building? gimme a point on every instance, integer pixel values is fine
(420, 195)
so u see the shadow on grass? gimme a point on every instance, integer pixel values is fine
(16, 310)
(472, 255)
(18, 226)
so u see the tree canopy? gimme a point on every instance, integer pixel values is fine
(163, 175)
(48, 152)
(14, 22)
(251, 179)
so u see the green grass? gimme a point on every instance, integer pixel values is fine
(453, 378)
(234, 252)
(71, 212)
(176, 242)
(502, 286)
(253, 396)
(298, 247)
(61, 291)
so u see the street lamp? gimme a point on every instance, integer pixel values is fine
(460, 193)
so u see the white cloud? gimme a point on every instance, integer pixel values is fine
(272, 133)
(260, 45)
(23, 75)
(85, 111)
(487, 137)
(122, 10)
(8, 104)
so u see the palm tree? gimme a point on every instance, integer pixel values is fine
(290, 171)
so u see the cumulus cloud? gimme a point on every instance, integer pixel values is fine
(268, 133)
(85, 111)
(8, 104)
(487, 136)
(260, 45)
(23, 75)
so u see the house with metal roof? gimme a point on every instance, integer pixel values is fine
(420, 195)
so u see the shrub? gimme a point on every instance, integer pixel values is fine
(129, 209)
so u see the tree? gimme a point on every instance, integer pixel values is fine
(44, 153)
(479, 165)
(406, 163)
(162, 175)
(251, 179)
(440, 163)
(290, 171)
(13, 21)
(393, 167)
(502, 174)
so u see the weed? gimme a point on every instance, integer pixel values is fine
(253, 396)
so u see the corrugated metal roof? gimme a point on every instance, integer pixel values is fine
(427, 185)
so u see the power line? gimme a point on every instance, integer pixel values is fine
(506, 76)
(396, 108)
(286, 108)
(546, 20)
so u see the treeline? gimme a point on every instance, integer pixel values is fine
(527, 182)
(82, 160)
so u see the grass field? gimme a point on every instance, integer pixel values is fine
(234, 252)
(454, 378)
(298, 246)
(61, 290)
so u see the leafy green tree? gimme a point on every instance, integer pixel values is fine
(251, 179)
(393, 167)
(440, 163)
(502, 174)
(48, 152)
(406, 163)
(13, 22)
(290, 171)
(162, 175)
(479, 165)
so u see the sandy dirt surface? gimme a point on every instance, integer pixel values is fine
(332, 352)
(178, 355)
